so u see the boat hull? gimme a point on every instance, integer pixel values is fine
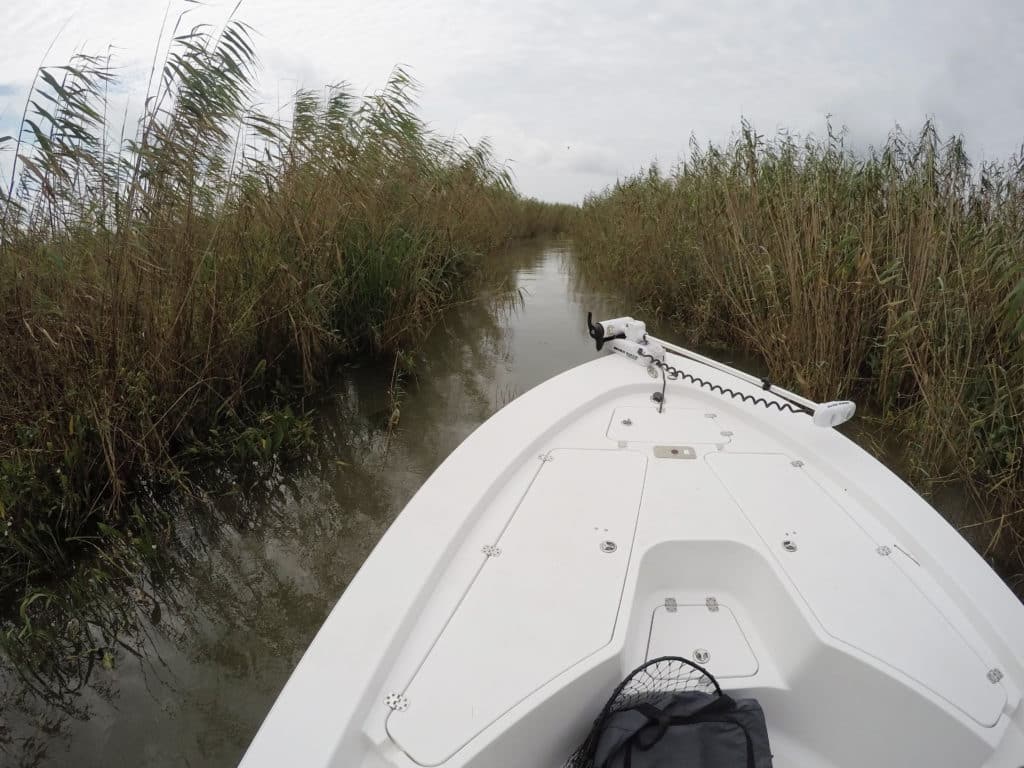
(585, 527)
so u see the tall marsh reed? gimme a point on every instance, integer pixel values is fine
(167, 295)
(892, 276)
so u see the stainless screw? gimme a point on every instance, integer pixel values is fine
(608, 546)
(627, 422)
(701, 656)
(789, 545)
(797, 463)
(727, 433)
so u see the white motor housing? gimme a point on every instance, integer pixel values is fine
(834, 413)
(627, 337)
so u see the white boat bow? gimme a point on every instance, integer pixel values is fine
(619, 512)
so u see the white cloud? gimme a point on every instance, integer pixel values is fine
(577, 93)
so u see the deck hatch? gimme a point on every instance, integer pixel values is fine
(859, 597)
(550, 600)
(686, 630)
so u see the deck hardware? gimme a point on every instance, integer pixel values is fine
(797, 463)
(490, 550)
(608, 547)
(657, 397)
(701, 656)
(545, 457)
(710, 415)
(397, 702)
(674, 452)
(712, 604)
(652, 371)
(884, 551)
(670, 604)
(627, 422)
(994, 675)
(727, 433)
(789, 545)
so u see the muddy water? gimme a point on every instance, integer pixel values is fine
(220, 636)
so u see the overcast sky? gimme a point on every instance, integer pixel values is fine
(575, 94)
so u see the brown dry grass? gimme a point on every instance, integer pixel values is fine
(893, 277)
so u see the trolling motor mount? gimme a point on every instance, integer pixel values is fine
(627, 337)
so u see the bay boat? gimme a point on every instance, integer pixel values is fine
(656, 502)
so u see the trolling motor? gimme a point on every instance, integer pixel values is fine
(629, 337)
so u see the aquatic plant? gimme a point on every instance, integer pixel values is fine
(170, 294)
(893, 276)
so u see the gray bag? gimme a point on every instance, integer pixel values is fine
(686, 730)
(671, 713)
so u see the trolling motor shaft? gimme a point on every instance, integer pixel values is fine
(629, 337)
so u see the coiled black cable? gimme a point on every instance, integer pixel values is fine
(675, 374)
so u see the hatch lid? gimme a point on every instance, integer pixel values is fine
(857, 593)
(707, 633)
(547, 600)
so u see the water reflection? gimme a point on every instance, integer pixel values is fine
(218, 630)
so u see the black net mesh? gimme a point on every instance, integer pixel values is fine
(664, 675)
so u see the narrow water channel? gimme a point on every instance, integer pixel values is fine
(219, 642)
(229, 632)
